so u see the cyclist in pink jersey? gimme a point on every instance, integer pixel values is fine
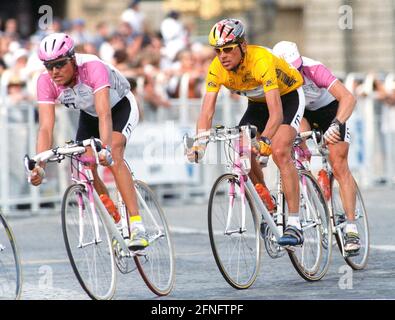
(328, 106)
(108, 111)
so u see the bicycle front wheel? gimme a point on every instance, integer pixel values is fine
(312, 259)
(157, 264)
(88, 244)
(10, 267)
(359, 261)
(236, 247)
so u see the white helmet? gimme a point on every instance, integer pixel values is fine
(289, 52)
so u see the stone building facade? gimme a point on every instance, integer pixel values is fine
(347, 35)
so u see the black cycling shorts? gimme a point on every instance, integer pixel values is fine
(257, 113)
(124, 119)
(322, 118)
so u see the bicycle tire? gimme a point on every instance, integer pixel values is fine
(320, 227)
(360, 261)
(77, 210)
(10, 265)
(157, 265)
(251, 270)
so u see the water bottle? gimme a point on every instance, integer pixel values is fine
(323, 181)
(111, 208)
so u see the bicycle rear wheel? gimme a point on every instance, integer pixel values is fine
(237, 252)
(312, 259)
(90, 252)
(361, 220)
(10, 267)
(157, 264)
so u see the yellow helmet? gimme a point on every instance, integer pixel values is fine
(227, 31)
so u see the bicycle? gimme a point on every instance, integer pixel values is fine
(10, 264)
(95, 244)
(235, 235)
(333, 198)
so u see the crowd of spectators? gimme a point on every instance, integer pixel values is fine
(154, 61)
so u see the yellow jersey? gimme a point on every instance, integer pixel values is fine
(259, 72)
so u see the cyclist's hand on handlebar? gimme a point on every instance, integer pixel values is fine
(263, 147)
(332, 135)
(196, 153)
(105, 158)
(36, 176)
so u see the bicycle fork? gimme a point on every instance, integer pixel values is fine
(81, 209)
(232, 195)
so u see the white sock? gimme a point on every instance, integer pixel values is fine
(136, 222)
(351, 227)
(293, 220)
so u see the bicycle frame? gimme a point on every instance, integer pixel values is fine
(321, 151)
(87, 181)
(84, 177)
(276, 227)
(240, 168)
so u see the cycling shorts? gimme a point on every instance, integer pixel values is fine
(125, 116)
(322, 118)
(293, 103)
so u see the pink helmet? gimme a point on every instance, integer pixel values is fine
(55, 46)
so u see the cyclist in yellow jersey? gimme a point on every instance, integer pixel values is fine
(275, 106)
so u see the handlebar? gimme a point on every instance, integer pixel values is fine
(218, 133)
(58, 154)
(317, 138)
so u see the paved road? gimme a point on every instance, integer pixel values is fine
(48, 274)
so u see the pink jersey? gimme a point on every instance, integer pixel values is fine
(317, 81)
(93, 75)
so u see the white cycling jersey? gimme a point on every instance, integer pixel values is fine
(318, 79)
(93, 74)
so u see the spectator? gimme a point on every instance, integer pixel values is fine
(385, 92)
(101, 35)
(17, 70)
(186, 68)
(11, 29)
(79, 33)
(108, 48)
(120, 61)
(175, 37)
(134, 17)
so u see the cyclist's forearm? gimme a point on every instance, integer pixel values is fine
(44, 142)
(105, 129)
(346, 108)
(207, 112)
(346, 101)
(204, 122)
(272, 126)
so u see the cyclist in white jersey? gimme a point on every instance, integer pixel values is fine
(328, 106)
(108, 111)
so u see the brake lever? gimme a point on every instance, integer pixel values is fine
(29, 163)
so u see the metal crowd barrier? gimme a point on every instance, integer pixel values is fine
(155, 150)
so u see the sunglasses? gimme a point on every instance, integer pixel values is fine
(57, 64)
(227, 49)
